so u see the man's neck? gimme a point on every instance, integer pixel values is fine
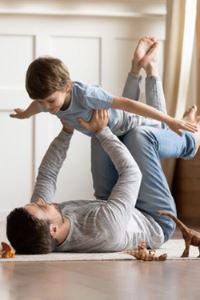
(63, 231)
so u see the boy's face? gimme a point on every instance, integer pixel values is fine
(55, 101)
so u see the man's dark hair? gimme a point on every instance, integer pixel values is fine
(27, 234)
(46, 75)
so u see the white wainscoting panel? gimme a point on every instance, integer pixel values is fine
(16, 161)
(16, 52)
(80, 54)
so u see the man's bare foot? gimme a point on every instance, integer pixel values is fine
(141, 50)
(149, 61)
(190, 115)
(197, 134)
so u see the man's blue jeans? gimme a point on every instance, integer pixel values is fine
(147, 145)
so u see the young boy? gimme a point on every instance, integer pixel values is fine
(48, 83)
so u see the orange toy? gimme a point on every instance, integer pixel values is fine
(7, 251)
(142, 253)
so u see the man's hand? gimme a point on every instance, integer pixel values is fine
(19, 114)
(98, 121)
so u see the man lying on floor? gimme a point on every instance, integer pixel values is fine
(94, 225)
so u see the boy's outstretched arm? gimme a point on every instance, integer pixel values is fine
(150, 112)
(33, 109)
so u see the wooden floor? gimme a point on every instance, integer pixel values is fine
(99, 280)
(124, 280)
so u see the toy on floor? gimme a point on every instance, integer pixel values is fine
(6, 251)
(190, 236)
(142, 253)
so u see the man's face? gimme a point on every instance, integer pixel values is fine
(54, 102)
(41, 210)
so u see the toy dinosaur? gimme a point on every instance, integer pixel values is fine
(6, 251)
(190, 236)
(142, 253)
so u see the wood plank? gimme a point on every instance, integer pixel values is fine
(100, 280)
(198, 52)
(188, 197)
(185, 185)
(187, 171)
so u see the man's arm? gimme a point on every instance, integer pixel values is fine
(123, 197)
(125, 192)
(33, 109)
(50, 166)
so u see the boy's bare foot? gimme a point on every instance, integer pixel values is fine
(141, 50)
(149, 61)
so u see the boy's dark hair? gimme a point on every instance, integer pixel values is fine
(27, 234)
(46, 75)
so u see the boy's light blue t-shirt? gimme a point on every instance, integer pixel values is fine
(87, 98)
(84, 100)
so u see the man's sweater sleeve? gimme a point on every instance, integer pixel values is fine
(50, 166)
(125, 192)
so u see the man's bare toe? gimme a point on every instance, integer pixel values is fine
(190, 113)
(142, 48)
(150, 56)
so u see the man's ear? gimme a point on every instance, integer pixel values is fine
(53, 230)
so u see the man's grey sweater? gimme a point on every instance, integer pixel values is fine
(97, 225)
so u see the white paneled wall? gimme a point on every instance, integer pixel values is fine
(97, 49)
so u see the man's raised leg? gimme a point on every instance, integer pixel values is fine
(104, 174)
(153, 84)
(132, 85)
(103, 171)
(148, 146)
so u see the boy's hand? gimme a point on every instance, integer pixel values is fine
(19, 114)
(98, 121)
(179, 125)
